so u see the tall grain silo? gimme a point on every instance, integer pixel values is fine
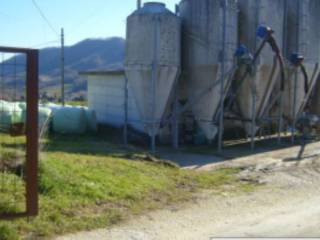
(254, 93)
(303, 38)
(203, 25)
(152, 61)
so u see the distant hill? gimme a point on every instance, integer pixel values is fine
(90, 54)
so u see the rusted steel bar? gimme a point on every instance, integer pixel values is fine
(32, 133)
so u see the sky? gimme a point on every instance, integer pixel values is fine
(22, 25)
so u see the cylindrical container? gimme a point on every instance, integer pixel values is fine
(255, 91)
(303, 37)
(69, 120)
(152, 60)
(210, 34)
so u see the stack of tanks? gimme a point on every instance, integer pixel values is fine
(200, 41)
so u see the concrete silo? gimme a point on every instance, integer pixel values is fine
(254, 93)
(207, 56)
(303, 38)
(152, 61)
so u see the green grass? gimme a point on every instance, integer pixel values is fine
(88, 183)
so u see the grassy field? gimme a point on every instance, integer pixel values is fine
(88, 183)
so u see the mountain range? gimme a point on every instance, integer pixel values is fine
(89, 54)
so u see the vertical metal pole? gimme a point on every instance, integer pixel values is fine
(153, 84)
(298, 18)
(153, 134)
(176, 114)
(32, 134)
(223, 58)
(280, 121)
(177, 10)
(253, 85)
(253, 121)
(125, 128)
(294, 107)
(285, 53)
(175, 118)
(62, 67)
(285, 29)
(138, 4)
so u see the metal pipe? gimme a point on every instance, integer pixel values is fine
(153, 83)
(197, 98)
(245, 75)
(138, 4)
(294, 107)
(177, 10)
(284, 44)
(221, 121)
(32, 154)
(62, 68)
(312, 83)
(298, 18)
(285, 29)
(253, 123)
(175, 117)
(280, 122)
(125, 128)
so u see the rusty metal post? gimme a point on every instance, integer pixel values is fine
(32, 134)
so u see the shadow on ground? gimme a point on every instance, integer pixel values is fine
(202, 156)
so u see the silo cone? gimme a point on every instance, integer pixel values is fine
(152, 60)
(202, 27)
(254, 94)
(302, 38)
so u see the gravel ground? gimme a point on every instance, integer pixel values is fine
(286, 205)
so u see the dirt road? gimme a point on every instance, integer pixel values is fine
(287, 205)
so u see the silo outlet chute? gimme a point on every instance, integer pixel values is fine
(256, 89)
(203, 41)
(152, 60)
(302, 42)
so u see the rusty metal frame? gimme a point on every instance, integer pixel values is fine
(32, 134)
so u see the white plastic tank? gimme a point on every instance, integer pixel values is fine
(255, 92)
(152, 61)
(303, 37)
(202, 42)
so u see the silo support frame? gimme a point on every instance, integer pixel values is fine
(126, 106)
(197, 98)
(154, 79)
(175, 117)
(222, 87)
(295, 115)
(312, 83)
(253, 122)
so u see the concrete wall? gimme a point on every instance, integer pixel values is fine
(106, 97)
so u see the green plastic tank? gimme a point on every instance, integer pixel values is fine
(10, 113)
(91, 118)
(69, 120)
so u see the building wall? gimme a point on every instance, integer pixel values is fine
(107, 97)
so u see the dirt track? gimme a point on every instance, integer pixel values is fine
(286, 206)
